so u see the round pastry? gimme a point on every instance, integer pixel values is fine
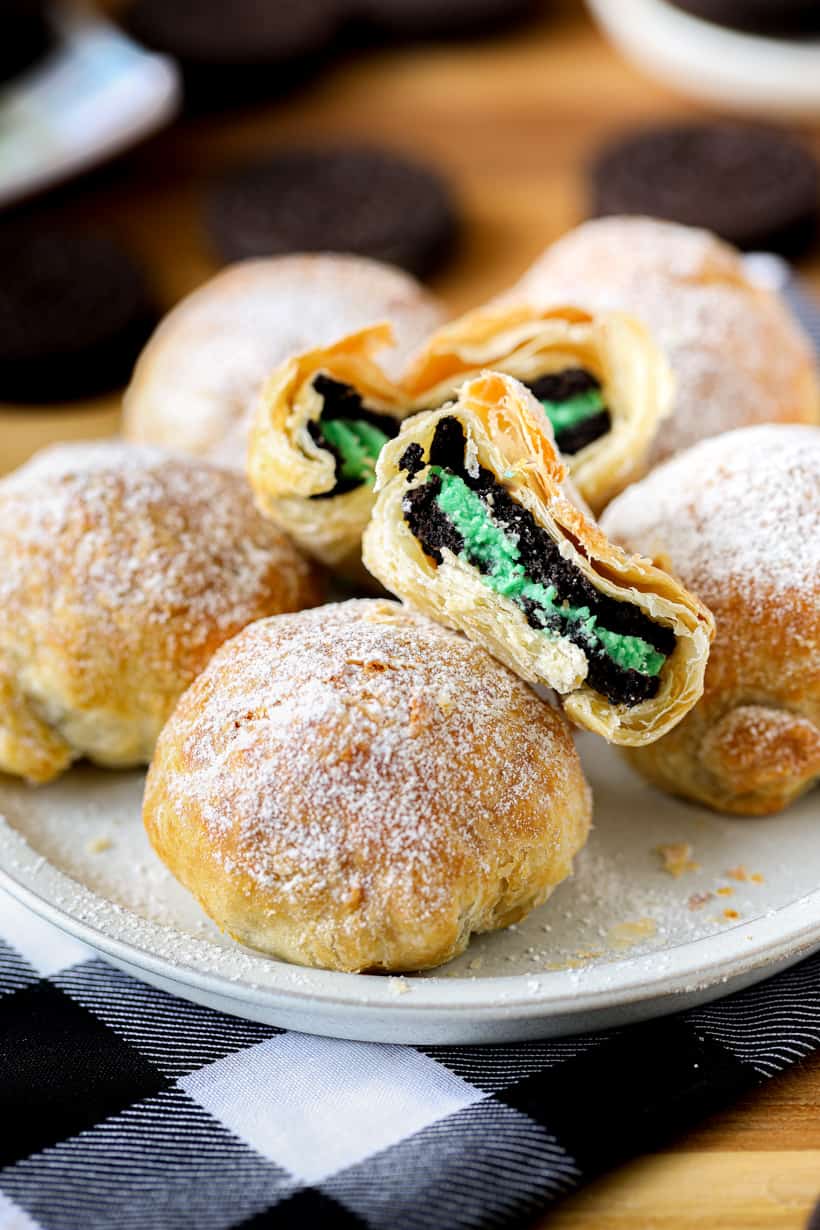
(601, 380)
(196, 381)
(358, 788)
(321, 421)
(123, 570)
(753, 186)
(738, 519)
(738, 355)
(334, 199)
(473, 525)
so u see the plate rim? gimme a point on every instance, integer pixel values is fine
(778, 936)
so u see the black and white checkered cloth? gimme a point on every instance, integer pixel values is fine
(122, 1107)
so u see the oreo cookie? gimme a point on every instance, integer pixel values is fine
(422, 19)
(228, 51)
(773, 17)
(361, 200)
(27, 36)
(74, 314)
(753, 186)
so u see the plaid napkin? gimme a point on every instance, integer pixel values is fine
(121, 1106)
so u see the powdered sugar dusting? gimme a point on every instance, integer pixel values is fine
(119, 532)
(737, 354)
(320, 749)
(739, 511)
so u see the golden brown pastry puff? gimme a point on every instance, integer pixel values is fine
(601, 380)
(195, 382)
(320, 423)
(123, 570)
(738, 354)
(472, 525)
(738, 519)
(357, 788)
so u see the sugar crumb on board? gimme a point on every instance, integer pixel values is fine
(676, 858)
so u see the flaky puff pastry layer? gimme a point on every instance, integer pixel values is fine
(508, 434)
(527, 343)
(288, 469)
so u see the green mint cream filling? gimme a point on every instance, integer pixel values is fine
(490, 545)
(358, 445)
(564, 414)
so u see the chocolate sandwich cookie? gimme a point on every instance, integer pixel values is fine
(420, 19)
(26, 37)
(753, 186)
(74, 314)
(230, 51)
(361, 200)
(777, 17)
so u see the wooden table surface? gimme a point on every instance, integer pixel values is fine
(511, 121)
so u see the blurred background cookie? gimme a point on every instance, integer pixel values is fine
(229, 51)
(75, 310)
(358, 199)
(424, 19)
(753, 186)
(27, 36)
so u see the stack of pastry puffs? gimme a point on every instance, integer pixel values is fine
(362, 785)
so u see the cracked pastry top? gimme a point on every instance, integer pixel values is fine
(472, 525)
(321, 421)
(124, 568)
(603, 384)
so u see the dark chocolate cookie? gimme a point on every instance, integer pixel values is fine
(420, 19)
(789, 17)
(755, 187)
(359, 199)
(228, 50)
(74, 314)
(26, 36)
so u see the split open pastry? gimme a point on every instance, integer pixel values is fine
(601, 380)
(738, 519)
(320, 424)
(358, 788)
(473, 526)
(124, 568)
(195, 383)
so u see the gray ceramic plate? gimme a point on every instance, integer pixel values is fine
(623, 940)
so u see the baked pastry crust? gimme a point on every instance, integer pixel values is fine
(123, 570)
(529, 343)
(738, 519)
(195, 382)
(288, 469)
(508, 434)
(737, 352)
(357, 788)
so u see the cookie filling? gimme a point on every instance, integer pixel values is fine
(471, 514)
(574, 402)
(352, 433)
